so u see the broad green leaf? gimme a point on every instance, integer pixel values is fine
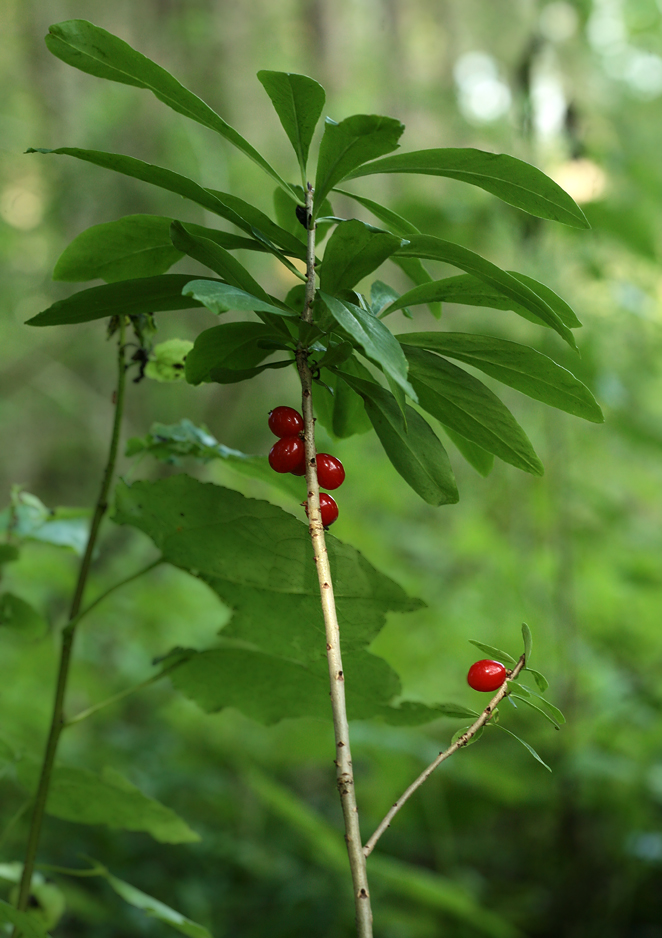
(19, 616)
(169, 360)
(350, 143)
(174, 442)
(218, 259)
(396, 223)
(220, 297)
(25, 923)
(335, 354)
(540, 679)
(125, 298)
(28, 519)
(473, 739)
(468, 290)
(8, 553)
(538, 709)
(414, 450)
(354, 251)
(259, 560)
(512, 180)
(494, 652)
(341, 412)
(525, 744)
(371, 334)
(518, 366)
(416, 272)
(84, 797)
(134, 246)
(434, 248)
(381, 296)
(98, 52)
(527, 638)
(230, 345)
(476, 456)
(260, 226)
(156, 909)
(298, 101)
(461, 402)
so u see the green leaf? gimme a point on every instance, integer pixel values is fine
(298, 101)
(230, 345)
(169, 360)
(350, 143)
(436, 249)
(414, 450)
(8, 553)
(527, 638)
(416, 272)
(461, 402)
(381, 295)
(554, 711)
(476, 736)
(28, 519)
(84, 797)
(336, 355)
(518, 366)
(21, 617)
(259, 560)
(396, 223)
(341, 412)
(493, 652)
(156, 909)
(476, 456)
(512, 180)
(26, 924)
(375, 339)
(260, 226)
(97, 52)
(217, 258)
(354, 250)
(408, 713)
(128, 298)
(221, 297)
(533, 706)
(525, 744)
(540, 679)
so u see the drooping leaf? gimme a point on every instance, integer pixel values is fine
(127, 297)
(84, 797)
(417, 273)
(549, 707)
(414, 450)
(381, 296)
(169, 360)
(493, 652)
(543, 713)
(98, 52)
(19, 616)
(527, 638)
(220, 297)
(512, 180)
(259, 560)
(298, 101)
(437, 249)
(156, 909)
(525, 744)
(350, 143)
(518, 366)
(26, 924)
(476, 456)
(354, 250)
(217, 258)
(372, 335)
(395, 223)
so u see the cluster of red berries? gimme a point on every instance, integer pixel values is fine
(486, 675)
(288, 454)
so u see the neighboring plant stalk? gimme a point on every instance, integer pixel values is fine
(343, 761)
(68, 635)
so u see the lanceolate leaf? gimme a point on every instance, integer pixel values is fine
(259, 560)
(342, 412)
(298, 101)
(516, 365)
(436, 249)
(468, 290)
(512, 180)
(530, 703)
(97, 52)
(461, 402)
(217, 258)
(413, 448)
(375, 339)
(417, 273)
(258, 224)
(230, 345)
(527, 638)
(156, 909)
(396, 223)
(476, 456)
(128, 297)
(350, 143)
(525, 744)
(220, 297)
(494, 652)
(354, 250)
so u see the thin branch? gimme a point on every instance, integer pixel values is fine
(68, 634)
(343, 761)
(84, 714)
(116, 586)
(484, 718)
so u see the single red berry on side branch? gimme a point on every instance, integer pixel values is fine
(287, 454)
(328, 509)
(330, 471)
(486, 675)
(285, 421)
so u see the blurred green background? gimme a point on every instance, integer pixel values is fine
(575, 88)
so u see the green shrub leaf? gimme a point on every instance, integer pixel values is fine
(230, 345)
(298, 101)
(525, 744)
(19, 616)
(476, 456)
(354, 250)
(156, 909)
(493, 652)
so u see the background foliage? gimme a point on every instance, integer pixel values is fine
(576, 89)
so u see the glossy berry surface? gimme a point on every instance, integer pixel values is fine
(285, 421)
(328, 509)
(330, 471)
(486, 675)
(287, 454)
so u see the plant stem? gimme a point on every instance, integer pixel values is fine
(84, 714)
(343, 761)
(68, 634)
(73, 623)
(485, 716)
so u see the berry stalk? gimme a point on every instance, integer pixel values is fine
(343, 761)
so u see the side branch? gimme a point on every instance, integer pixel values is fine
(484, 718)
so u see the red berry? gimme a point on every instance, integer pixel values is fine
(300, 470)
(328, 509)
(287, 454)
(285, 421)
(486, 675)
(330, 472)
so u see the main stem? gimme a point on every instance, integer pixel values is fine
(68, 634)
(343, 761)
